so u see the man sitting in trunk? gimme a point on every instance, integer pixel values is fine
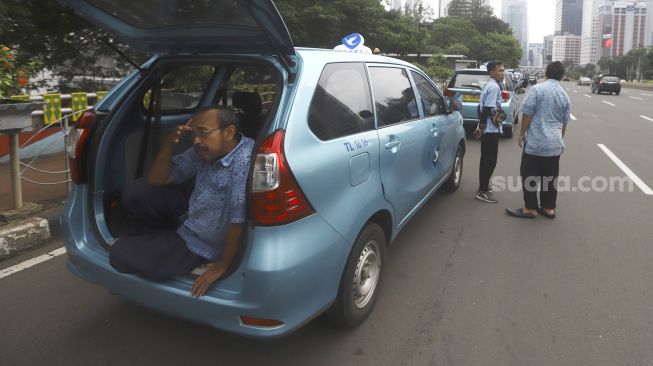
(192, 204)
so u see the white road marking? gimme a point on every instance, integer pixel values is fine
(572, 116)
(647, 118)
(575, 91)
(634, 97)
(627, 170)
(607, 103)
(589, 96)
(32, 262)
(646, 95)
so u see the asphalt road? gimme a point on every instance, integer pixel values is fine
(464, 283)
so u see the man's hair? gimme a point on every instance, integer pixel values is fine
(226, 116)
(493, 65)
(555, 70)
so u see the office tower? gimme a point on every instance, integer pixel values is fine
(566, 48)
(515, 13)
(623, 26)
(568, 17)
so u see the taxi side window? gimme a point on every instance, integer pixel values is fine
(432, 101)
(182, 88)
(341, 104)
(394, 98)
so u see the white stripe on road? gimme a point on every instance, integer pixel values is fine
(589, 96)
(32, 262)
(646, 95)
(627, 170)
(634, 97)
(647, 118)
(607, 103)
(575, 91)
(572, 116)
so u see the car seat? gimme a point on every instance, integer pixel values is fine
(248, 107)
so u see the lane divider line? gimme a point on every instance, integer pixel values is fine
(606, 102)
(625, 169)
(572, 116)
(646, 95)
(589, 96)
(630, 96)
(32, 262)
(646, 118)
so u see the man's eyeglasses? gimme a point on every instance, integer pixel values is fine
(203, 133)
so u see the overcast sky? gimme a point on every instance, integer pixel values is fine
(541, 18)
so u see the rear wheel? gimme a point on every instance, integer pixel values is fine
(456, 176)
(361, 279)
(618, 92)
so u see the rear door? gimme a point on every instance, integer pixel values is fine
(405, 142)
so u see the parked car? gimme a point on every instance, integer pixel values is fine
(532, 80)
(606, 83)
(584, 80)
(351, 146)
(469, 83)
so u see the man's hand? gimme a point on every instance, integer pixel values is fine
(520, 140)
(478, 132)
(179, 132)
(206, 279)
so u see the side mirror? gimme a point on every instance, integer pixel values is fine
(455, 105)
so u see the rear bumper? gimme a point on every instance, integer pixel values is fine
(289, 273)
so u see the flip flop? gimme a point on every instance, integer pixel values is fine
(541, 211)
(518, 212)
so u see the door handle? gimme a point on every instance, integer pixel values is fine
(392, 144)
(434, 131)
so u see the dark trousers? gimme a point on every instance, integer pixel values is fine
(154, 250)
(542, 169)
(489, 152)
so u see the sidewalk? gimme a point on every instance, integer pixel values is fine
(35, 228)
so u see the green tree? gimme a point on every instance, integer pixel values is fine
(490, 24)
(437, 67)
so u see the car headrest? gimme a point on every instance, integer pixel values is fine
(248, 102)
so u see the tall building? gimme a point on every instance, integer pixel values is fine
(461, 7)
(589, 32)
(536, 54)
(566, 48)
(547, 50)
(515, 13)
(623, 26)
(443, 8)
(568, 17)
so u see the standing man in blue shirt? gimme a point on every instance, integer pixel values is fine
(487, 131)
(189, 227)
(546, 112)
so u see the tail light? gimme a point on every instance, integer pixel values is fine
(277, 198)
(449, 93)
(505, 95)
(76, 146)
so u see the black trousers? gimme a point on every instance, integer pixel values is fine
(489, 153)
(543, 170)
(154, 250)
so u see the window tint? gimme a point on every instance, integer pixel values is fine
(393, 95)
(432, 102)
(610, 78)
(341, 104)
(182, 88)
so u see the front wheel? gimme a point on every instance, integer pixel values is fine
(452, 184)
(361, 279)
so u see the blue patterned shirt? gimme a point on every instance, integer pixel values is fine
(549, 106)
(491, 97)
(218, 198)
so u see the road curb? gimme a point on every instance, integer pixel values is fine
(23, 234)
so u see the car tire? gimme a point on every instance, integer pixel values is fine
(507, 132)
(453, 182)
(618, 92)
(352, 306)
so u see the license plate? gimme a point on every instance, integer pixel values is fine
(471, 98)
